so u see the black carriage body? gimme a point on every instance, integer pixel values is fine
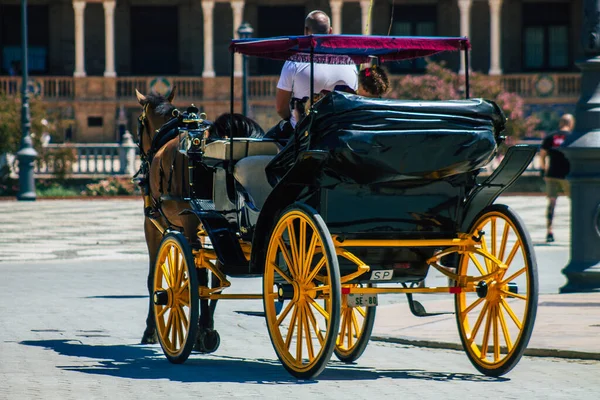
(393, 170)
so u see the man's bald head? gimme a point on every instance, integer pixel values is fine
(317, 23)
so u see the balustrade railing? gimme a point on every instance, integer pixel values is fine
(88, 159)
(46, 87)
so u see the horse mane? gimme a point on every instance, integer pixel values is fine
(159, 103)
(242, 127)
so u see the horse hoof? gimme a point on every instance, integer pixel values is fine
(207, 341)
(149, 338)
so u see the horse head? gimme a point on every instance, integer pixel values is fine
(157, 110)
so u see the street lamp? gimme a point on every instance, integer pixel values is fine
(245, 31)
(26, 153)
(582, 149)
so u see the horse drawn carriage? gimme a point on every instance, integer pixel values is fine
(366, 197)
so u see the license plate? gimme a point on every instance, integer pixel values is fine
(362, 300)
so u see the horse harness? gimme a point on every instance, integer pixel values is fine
(164, 134)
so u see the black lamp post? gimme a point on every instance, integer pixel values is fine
(245, 31)
(582, 149)
(26, 153)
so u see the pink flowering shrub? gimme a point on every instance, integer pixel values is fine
(440, 83)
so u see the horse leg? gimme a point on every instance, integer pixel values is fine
(208, 339)
(153, 238)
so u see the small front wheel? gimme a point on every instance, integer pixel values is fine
(301, 268)
(176, 297)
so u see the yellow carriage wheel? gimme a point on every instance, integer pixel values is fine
(176, 297)
(301, 268)
(495, 322)
(356, 325)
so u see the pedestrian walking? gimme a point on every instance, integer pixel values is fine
(555, 167)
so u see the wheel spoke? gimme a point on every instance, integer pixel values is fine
(284, 314)
(486, 333)
(181, 326)
(477, 264)
(513, 276)
(471, 307)
(362, 311)
(286, 256)
(288, 339)
(513, 295)
(511, 314)
(488, 262)
(169, 325)
(479, 321)
(317, 268)
(172, 265)
(162, 311)
(496, 333)
(504, 241)
(182, 316)
(281, 273)
(309, 344)
(315, 325)
(349, 323)
(166, 274)
(494, 236)
(342, 335)
(513, 252)
(320, 309)
(355, 324)
(505, 331)
(302, 250)
(180, 271)
(299, 333)
(310, 253)
(294, 247)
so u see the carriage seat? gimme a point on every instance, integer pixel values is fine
(242, 148)
(250, 173)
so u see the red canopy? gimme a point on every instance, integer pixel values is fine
(347, 49)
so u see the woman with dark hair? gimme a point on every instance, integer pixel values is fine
(373, 82)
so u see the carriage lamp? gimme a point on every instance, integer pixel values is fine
(245, 31)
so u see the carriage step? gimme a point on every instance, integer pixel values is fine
(418, 310)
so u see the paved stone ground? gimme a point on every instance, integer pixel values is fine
(70, 330)
(73, 303)
(113, 229)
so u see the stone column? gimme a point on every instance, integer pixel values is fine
(109, 39)
(207, 11)
(495, 31)
(365, 8)
(79, 7)
(238, 13)
(336, 15)
(465, 24)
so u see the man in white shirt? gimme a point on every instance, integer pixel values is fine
(294, 82)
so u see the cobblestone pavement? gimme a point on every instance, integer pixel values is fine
(70, 331)
(73, 304)
(113, 229)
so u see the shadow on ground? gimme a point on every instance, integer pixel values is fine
(147, 362)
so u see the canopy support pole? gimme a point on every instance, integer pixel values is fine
(231, 109)
(466, 49)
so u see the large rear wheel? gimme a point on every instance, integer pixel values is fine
(496, 322)
(301, 268)
(176, 297)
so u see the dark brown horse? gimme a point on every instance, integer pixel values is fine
(166, 181)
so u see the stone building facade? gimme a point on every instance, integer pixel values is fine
(88, 55)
